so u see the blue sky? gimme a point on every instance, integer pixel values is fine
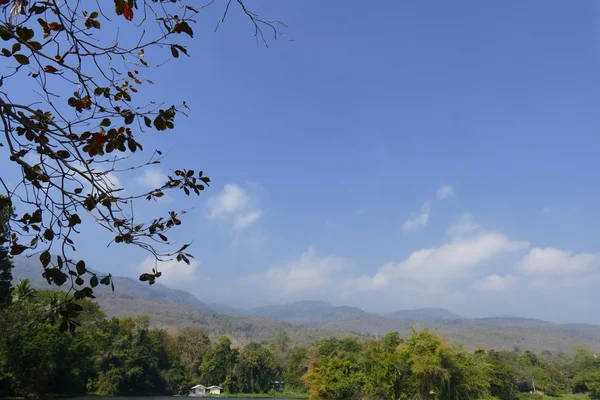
(394, 155)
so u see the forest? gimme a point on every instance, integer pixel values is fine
(97, 355)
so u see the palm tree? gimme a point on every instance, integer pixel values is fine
(23, 291)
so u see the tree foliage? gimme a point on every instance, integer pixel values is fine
(128, 357)
(6, 263)
(80, 123)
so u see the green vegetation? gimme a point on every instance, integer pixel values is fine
(97, 355)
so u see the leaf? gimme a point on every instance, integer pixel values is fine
(78, 190)
(48, 234)
(127, 12)
(21, 59)
(63, 154)
(35, 45)
(163, 237)
(181, 48)
(131, 144)
(105, 122)
(183, 27)
(74, 220)
(81, 269)
(45, 258)
(16, 47)
(79, 281)
(17, 249)
(148, 122)
(94, 14)
(94, 281)
(129, 118)
(50, 69)
(25, 33)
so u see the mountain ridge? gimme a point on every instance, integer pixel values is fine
(309, 321)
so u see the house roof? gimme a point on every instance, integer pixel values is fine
(199, 386)
(214, 387)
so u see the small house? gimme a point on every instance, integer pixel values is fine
(198, 390)
(215, 389)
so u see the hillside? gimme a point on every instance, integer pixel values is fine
(128, 288)
(424, 314)
(310, 313)
(308, 321)
(488, 333)
(174, 309)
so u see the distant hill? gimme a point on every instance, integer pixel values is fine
(309, 321)
(310, 313)
(424, 314)
(174, 309)
(128, 288)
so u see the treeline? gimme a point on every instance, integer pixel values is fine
(126, 357)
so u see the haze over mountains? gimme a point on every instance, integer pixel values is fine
(308, 321)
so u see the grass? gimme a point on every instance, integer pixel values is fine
(270, 395)
(526, 396)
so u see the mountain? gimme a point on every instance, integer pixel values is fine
(309, 321)
(174, 309)
(128, 288)
(225, 309)
(310, 313)
(424, 314)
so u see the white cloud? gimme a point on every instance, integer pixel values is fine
(242, 221)
(417, 222)
(496, 283)
(444, 192)
(173, 273)
(306, 274)
(465, 226)
(433, 267)
(153, 178)
(236, 206)
(552, 261)
(231, 200)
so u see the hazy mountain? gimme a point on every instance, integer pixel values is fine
(424, 314)
(309, 321)
(225, 309)
(174, 309)
(310, 313)
(126, 288)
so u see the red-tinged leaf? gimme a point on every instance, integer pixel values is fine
(50, 69)
(127, 12)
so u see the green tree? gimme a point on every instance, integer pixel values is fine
(502, 379)
(427, 356)
(6, 263)
(192, 344)
(217, 366)
(256, 369)
(335, 376)
(134, 360)
(296, 367)
(37, 355)
(384, 372)
(23, 292)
